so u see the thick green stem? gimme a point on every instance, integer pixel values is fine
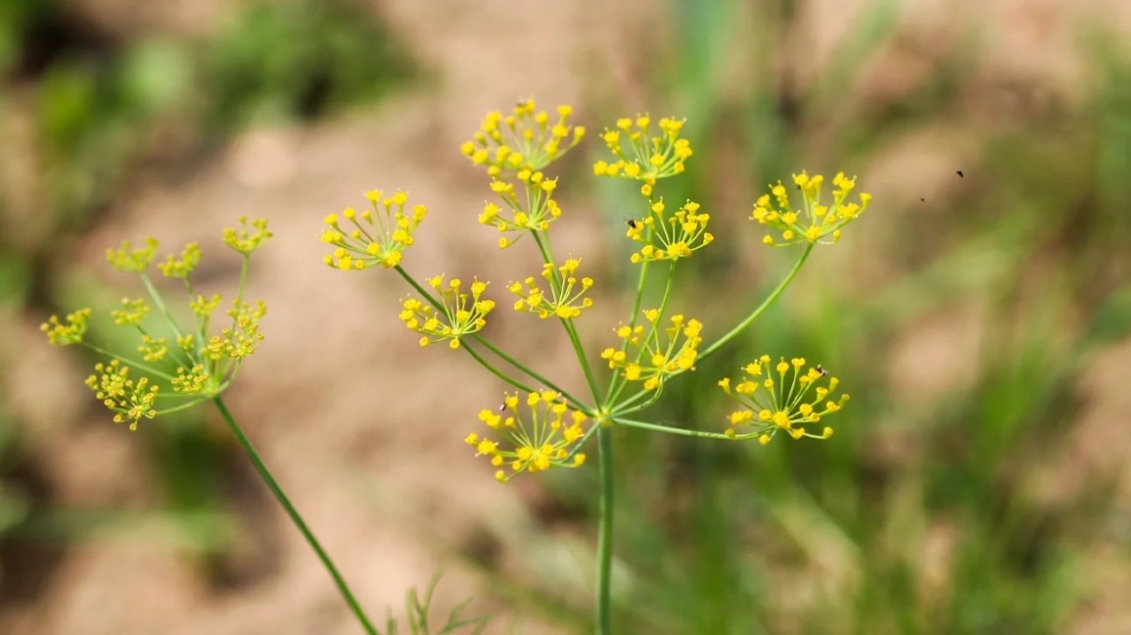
(605, 532)
(265, 473)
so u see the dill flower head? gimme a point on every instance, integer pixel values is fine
(785, 397)
(813, 222)
(463, 313)
(652, 353)
(670, 237)
(524, 139)
(643, 154)
(532, 212)
(544, 439)
(376, 236)
(566, 289)
(194, 363)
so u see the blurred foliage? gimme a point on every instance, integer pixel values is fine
(88, 114)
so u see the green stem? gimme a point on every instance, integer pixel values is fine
(265, 473)
(605, 531)
(713, 348)
(669, 430)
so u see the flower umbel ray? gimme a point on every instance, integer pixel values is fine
(376, 236)
(530, 435)
(813, 222)
(786, 397)
(524, 139)
(566, 289)
(463, 313)
(670, 237)
(651, 358)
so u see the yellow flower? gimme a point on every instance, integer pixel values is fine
(565, 299)
(524, 139)
(463, 313)
(66, 334)
(814, 222)
(245, 240)
(646, 157)
(655, 358)
(670, 237)
(129, 400)
(372, 237)
(546, 439)
(532, 212)
(786, 397)
(198, 367)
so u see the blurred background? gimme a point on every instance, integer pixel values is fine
(979, 313)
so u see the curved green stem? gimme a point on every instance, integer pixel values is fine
(714, 347)
(296, 518)
(605, 532)
(683, 432)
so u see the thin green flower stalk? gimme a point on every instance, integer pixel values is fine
(785, 398)
(544, 428)
(205, 363)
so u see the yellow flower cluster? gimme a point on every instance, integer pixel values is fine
(814, 222)
(128, 259)
(784, 397)
(533, 214)
(246, 238)
(540, 442)
(463, 313)
(524, 139)
(377, 236)
(204, 365)
(647, 157)
(565, 299)
(672, 237)
(128, 400)
(59, 334)
(655, 359)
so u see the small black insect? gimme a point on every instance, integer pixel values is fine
(960, 174)
(503, 407)
(631, 223)
(922, 200)
(822, 370)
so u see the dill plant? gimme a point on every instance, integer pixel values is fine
(540, 426)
